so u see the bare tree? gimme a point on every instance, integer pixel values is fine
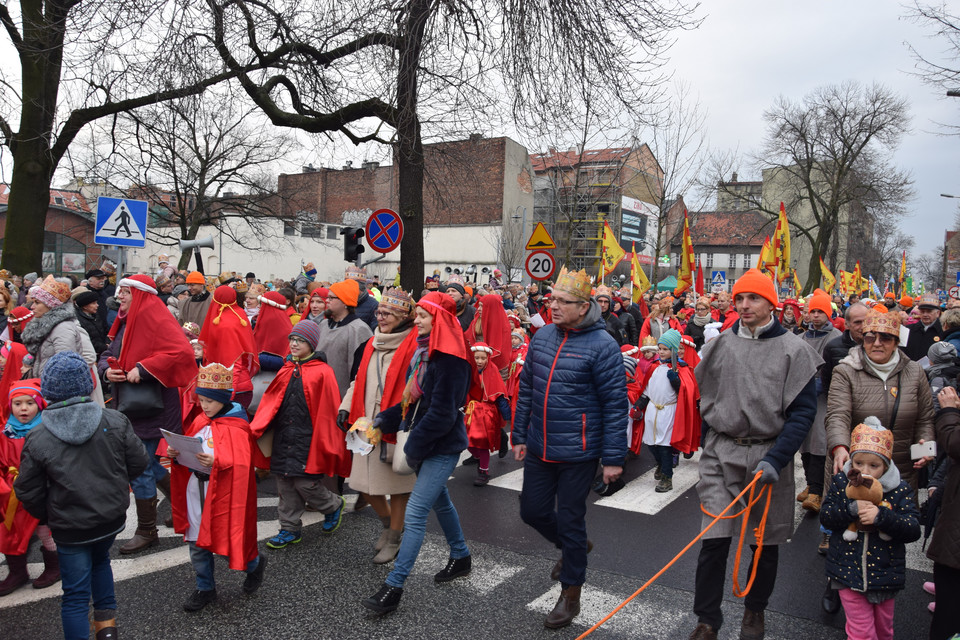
(354, 67)
(80, 61)
(510, 245)
(830, 156)
(200, 160)
(943, 73)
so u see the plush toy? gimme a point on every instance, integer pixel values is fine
(863, 487)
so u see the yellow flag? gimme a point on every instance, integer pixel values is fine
(856, 280)
(843, 281)
(796, 284)
(612, 252)
(640, 282)
(685, 275)
(781, 245)
(829, 280)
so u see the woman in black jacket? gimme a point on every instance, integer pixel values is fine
(437, 384)
(87, 304)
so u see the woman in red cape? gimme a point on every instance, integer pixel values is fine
(12, 354)
(228, 339)
(490, 325)
(228, 526)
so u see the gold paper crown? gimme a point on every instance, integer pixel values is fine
(354, 272)
(877, 322)
(576, 283)
(397, 301)
(215, 376)
(871, 439)
(603, 290)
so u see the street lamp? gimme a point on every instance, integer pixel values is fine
(947, 195)
(523, 224)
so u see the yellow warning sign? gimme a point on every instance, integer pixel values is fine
(540, 239)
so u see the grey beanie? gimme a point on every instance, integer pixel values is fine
(180, 288)
(66, 375)
(941, 353)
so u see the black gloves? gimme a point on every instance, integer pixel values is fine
(342, 417)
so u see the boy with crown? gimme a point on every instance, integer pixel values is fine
(216, 510)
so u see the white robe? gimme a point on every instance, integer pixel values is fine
(658, 423)
(194, 504)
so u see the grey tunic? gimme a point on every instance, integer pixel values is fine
(746, 387)
(816, 442)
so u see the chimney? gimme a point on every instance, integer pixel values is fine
(733, 178)
(372, 166)
(476, 137)
(349, 165)
(309, 169)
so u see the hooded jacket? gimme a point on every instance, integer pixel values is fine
(572, 405)
(945, 546)
(75, 470)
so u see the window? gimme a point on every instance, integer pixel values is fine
(58, 200)
(289, 228)
(746, 261)
(709, 261)
(308, 230)
(333, 232)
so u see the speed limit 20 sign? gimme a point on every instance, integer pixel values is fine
(540, 265)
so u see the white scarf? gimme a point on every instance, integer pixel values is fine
(883, 371)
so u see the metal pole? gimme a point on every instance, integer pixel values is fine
(122, 259)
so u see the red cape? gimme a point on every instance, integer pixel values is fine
(729, 318)
(328, 447)
(11, 374)
(153, 339)
(16, 540)
(228, 526)
(393, 382)
(483, 419)
(494, 329)
(273, 327)
(228, 339)
(686, 422)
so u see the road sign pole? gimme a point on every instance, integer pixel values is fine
(121, 261)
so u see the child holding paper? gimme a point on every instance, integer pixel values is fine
(217, 510)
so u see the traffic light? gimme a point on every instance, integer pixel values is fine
(352, 245)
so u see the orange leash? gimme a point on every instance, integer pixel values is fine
(716, 518)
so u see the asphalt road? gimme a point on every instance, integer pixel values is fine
(313, 589)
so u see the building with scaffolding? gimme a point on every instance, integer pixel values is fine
(577, 191)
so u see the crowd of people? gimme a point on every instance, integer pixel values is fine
(199, 387)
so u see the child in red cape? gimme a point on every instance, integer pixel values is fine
(300, 410)
(23, 408)
(671, 421)
(487, 409)
(216, 510)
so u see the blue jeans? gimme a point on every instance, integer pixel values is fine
(664, 456)
(145, 485)
(84, 573)
(554, 502)
(429, 492)
(202, 561)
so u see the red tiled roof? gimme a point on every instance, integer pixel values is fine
(572, 158)
(72, 200)
(730, 229)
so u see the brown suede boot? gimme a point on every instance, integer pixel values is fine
(703, 632)
(18, 575)
(146, 535)
(51, 569)
(566, 609)
(752, 626)
(163, 486)
(105, 624)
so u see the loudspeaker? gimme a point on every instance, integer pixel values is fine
(186, 245)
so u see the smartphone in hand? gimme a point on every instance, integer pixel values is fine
(925, 450)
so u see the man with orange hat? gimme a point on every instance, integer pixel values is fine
(343, 335)
(194, 308)
(749, 430)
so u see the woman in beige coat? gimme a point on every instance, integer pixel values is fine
(877, 379)
(379, 384)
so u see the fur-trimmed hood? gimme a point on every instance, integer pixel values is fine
(39, 328)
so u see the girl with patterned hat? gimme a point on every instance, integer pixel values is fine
(214, 495)
(865, 564)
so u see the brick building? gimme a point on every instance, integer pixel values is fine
(68, 241)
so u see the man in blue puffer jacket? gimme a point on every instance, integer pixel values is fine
(571, 413)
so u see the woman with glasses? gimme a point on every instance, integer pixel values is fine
(877, 379)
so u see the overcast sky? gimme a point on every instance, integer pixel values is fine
(748, 52)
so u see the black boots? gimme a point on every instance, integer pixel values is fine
(18, 575)
(454, 569)
(566, 609)
(51, 569)
(146, 535)
(385, 600)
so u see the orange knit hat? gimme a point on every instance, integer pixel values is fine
(753, 281)
(195, 277)
(820, 300)
(906, 301)
(348, 291)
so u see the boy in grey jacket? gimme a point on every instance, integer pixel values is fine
(75, 472)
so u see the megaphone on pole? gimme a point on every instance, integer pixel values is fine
(196, 245)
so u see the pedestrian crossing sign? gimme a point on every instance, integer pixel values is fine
(719, 278)
(121, 222)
